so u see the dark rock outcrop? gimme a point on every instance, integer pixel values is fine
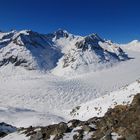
(6, 129)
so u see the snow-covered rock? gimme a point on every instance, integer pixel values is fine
(89, 53)
(28, 49)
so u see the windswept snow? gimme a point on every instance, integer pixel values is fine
(49, 98)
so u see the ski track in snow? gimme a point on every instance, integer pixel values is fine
(48, 96)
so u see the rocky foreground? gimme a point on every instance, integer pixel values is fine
(120, 123)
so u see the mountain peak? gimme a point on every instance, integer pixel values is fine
(25, 31)
(94, 37)
(61, 33)
(61, 30)
(135, 41)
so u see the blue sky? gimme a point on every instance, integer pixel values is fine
(118, 20)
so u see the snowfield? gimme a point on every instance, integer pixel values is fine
(35, 98)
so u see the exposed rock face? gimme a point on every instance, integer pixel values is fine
(5, 129)
(120, 123)
(89, 41)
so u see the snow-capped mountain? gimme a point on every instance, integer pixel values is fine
(89, 53)
(133, 45)
(60, 51)
(28, 49)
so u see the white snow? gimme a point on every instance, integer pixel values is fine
(65, 44)
(52, 137)
(115, 136)
(15, 136)
(69, 136)
(133, 46)
(25, 117)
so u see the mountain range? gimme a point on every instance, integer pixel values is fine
(59, 51)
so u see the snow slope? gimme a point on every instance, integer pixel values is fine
(49, 98)
(15, 136)
(98, 107)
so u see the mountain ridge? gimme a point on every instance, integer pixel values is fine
(60, 49)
